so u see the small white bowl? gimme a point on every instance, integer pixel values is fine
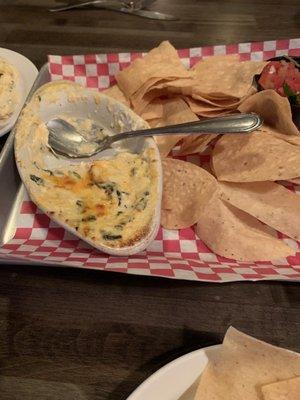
(27, 74)
(73, 100)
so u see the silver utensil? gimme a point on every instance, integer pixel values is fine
(145, 13)
(65, 139)
(134, 7)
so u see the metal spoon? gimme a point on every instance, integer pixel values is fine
(65, 139)
(133, 5)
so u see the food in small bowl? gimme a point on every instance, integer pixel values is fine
(111, 200)
(282, 74)
(9, 90)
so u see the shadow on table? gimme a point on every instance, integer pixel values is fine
(191, 340)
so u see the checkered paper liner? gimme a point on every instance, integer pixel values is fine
(173, 254)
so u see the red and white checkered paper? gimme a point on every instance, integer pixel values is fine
(173, 254)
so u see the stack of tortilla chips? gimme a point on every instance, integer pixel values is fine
(236, 202)
(244, 368)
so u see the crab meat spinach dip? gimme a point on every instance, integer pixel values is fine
(9, 94)
(108, 201)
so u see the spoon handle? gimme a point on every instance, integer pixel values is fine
(85, 3)
(235, 123)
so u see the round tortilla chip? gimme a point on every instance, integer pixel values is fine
(188, 87)
(232, 233)
(174, 111)
(288, 389)
(273, 108)
(193, 87)
(292, 139)
(139, 105)
(186, 190)
(195, 144)
(154, 123)
(226, 74)
(204, 109)
(296, 181)
(269, 202)
(242, 366)
(257, 156)
(214, 114)
(161, 62)
(154, 110)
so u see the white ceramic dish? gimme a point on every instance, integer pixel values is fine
(28, 72)
(175, 381)
(75, 101)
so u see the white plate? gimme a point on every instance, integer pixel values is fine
(28, 72)
(176, 380)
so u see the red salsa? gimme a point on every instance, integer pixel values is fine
(284, 77)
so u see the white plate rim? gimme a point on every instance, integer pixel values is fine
(28, 73)
(140, 391)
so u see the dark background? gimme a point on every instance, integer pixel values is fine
(77, 334)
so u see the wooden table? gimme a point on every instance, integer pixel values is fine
(75, 334)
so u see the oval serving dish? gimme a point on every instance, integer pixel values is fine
(111, 200)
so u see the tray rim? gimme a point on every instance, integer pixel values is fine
(7, 156)
(20, 261)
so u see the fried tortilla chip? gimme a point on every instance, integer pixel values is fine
(175, 111)
(207, 166)
(160, 63)
(116, 93)
(186, 190)
(273, 108)
(292, 139)
(219, 72)
(216, 97)
(207, 110)
(198, 143)
(195, 144)
(143, 97)
(226, 76)
(242, 366)
(269, 202)
(189, 87)
(175, 86)
(232, 233)
(296, 181)
(154, 123)
(189, 394)
(142, 103)
(220, 59)
(213, 114)
(258, 156)
(153, 110)
(288, 389)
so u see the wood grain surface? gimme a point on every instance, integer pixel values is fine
(77, 334)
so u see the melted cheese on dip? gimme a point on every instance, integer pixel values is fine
(111, 201)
